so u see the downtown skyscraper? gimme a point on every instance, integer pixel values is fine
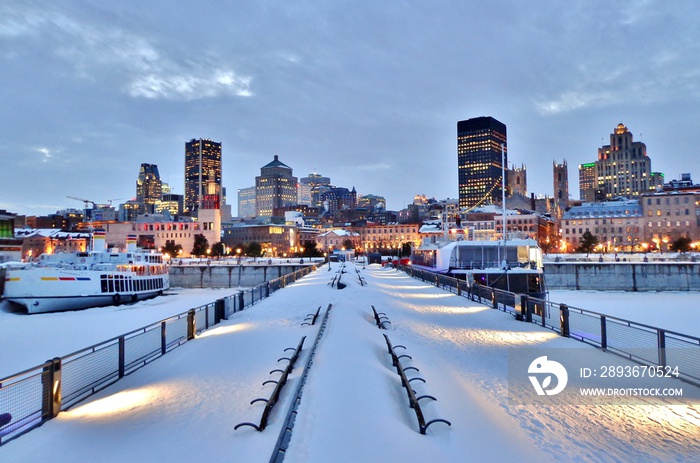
(149, 187)
(276, 186)
(480, 162)
(202, 175)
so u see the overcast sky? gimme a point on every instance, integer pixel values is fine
(366, 92)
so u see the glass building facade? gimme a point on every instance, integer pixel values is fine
(479, 161)
(202, 174)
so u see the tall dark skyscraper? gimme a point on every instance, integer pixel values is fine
(149, 187)
(202, 175)
(479, 160)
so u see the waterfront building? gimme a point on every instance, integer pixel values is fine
(35, 242)
(623, 167)
(617, 225)
(376, 237)
(202, 175)
(480, 161)
(670, 214)
(337, 239)
(275, 240)
(276, 186)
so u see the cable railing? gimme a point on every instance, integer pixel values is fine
(638, 342)
(34, 396)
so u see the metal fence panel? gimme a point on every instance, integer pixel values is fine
(176, 331)
(141, 347)
(87, 371)
(683, 352)
(22, 397)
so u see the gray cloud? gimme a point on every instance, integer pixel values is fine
(368, 93)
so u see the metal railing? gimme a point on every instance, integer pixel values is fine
(641, 343)
(32, 397)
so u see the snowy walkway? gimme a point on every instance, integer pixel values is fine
(184, 406)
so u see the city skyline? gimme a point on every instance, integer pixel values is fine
(91, 92)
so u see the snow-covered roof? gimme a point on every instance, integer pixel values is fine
(49, 233)
(340, 233)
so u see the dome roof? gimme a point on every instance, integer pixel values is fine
(276, 163)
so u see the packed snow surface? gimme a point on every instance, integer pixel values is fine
(184, 406)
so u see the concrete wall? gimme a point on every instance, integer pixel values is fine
(620, 276)
(226, 276)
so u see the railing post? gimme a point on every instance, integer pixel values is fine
(525, 304)
(51, 387)
(191, 325)
(267, 289)
(219, 311)
(437, 281)
(603, 333)
(564, 320)
(662, 347)
(163, 338)
(241, 303)
(494, 299)
(122, 349)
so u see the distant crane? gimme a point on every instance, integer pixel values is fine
(88, 211)
(86, 201)
(109, 201)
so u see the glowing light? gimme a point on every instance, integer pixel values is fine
(226, 330)
(115, 404)
(461, 336)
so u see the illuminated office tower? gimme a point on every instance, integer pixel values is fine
(623, 168)
(202, 175)
(275, 187)
(479, 160)
(149, 187)
(587, 182)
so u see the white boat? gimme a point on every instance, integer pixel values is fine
(515, 266)
(78, 280)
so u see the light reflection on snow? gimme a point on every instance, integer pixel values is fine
(461, 336)
(428, 296)
(118, 403)
(459, 310)
(226, 330)
(417, 288)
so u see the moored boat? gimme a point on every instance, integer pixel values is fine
(515, 266)
(78, 280)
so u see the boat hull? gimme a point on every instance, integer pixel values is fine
(42, 290)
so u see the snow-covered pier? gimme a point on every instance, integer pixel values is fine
(185, 405)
